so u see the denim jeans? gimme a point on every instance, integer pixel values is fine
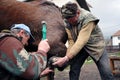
(102, 64)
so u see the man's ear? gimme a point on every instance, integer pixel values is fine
(78, 12)
(21, 32)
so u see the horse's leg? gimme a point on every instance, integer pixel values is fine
(50, 76)
(44, 78)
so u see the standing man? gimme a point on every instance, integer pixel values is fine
(85, 39)
(15, 62)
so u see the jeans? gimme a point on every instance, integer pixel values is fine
(102, 65)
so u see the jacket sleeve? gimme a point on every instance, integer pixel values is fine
(70, 39)
(16, 60)
(82, 39)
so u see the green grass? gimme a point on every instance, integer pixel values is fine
(118, 53)
(88, 61)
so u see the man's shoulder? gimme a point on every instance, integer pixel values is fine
(84, 13)
(9, 38)
(8, 43)
(87, 16)
(7, 33)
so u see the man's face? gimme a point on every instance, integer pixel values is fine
(25, 37)
(73, 20)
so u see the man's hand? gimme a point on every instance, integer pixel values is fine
(61, 61)
(45, 72)
(43, 46)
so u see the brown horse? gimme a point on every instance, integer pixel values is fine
(32, 14)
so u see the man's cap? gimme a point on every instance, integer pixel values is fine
(26, 28)
(69, 10)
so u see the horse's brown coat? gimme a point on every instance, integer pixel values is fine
(31, 14)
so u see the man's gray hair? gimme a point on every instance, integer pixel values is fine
(69, 10)
(15, 31)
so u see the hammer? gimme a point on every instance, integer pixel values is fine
(44, 29)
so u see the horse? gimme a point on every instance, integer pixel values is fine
(32, 14)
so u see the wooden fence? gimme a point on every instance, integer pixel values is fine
(111, 49)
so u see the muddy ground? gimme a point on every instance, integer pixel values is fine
(89, 72)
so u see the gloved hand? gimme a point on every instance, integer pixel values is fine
(43, 46)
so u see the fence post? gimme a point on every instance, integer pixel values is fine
(119, 46)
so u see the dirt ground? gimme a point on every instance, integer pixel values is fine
(88, 72)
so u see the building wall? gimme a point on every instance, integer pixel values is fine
(116, 40)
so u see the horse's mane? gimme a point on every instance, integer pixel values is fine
(48, 3)
(44, 3)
